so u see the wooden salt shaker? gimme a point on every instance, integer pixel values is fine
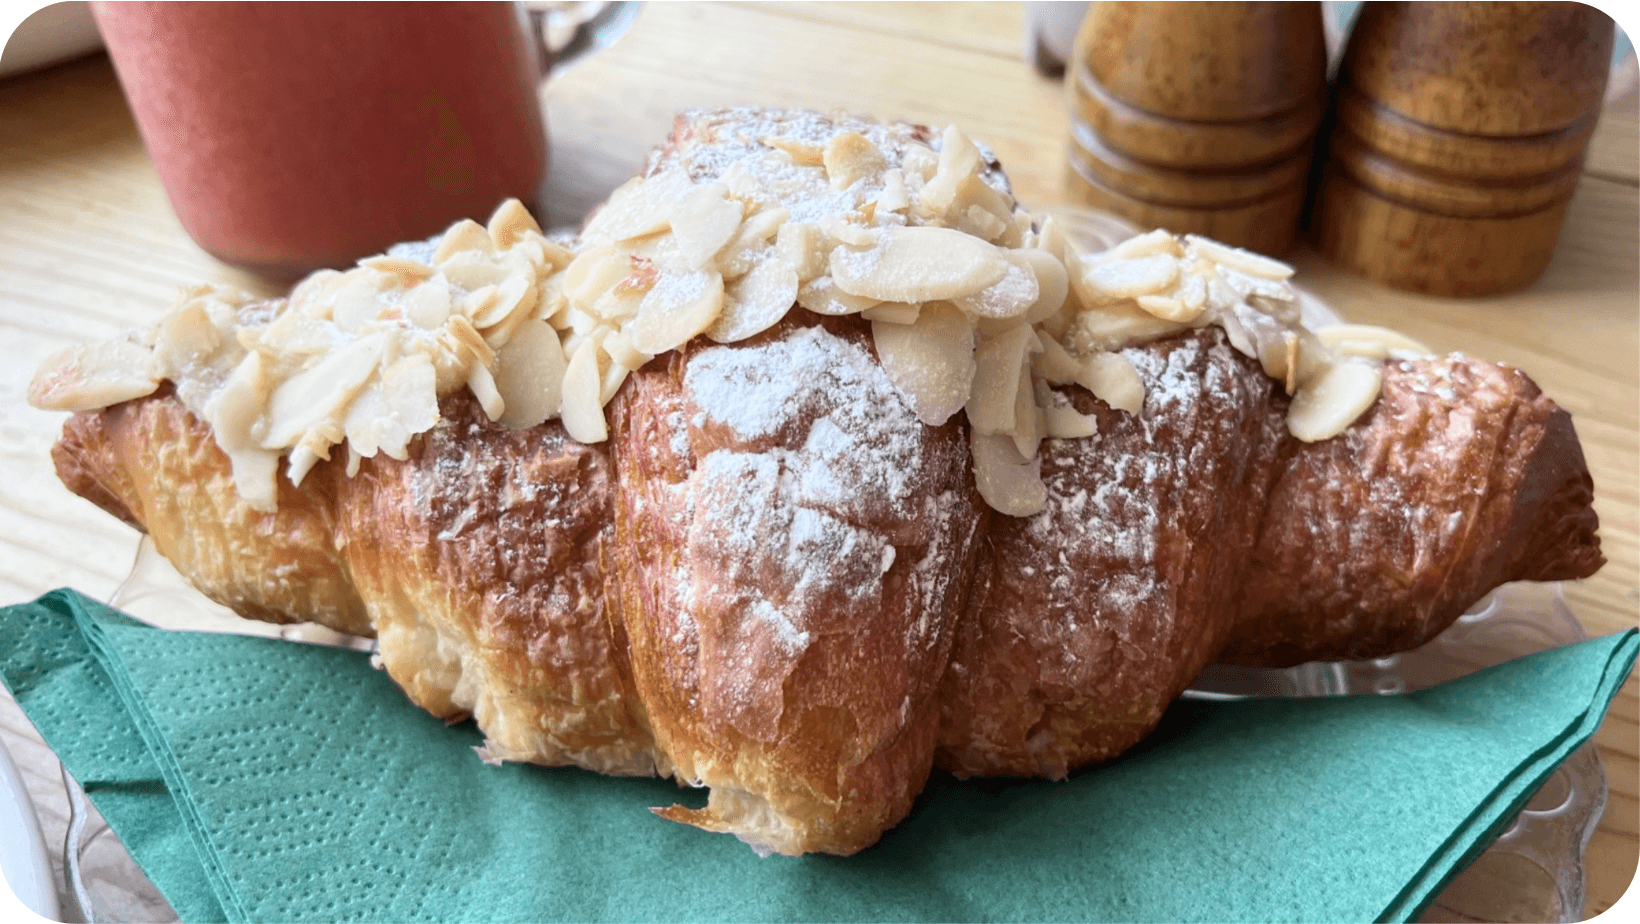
(1461, 130)
(1198, 117)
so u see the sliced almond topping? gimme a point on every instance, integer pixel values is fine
(992, 399)
(1062, 420)
(931, 360)
(675, 310)
(755, 302)
(482, 385)
(703, 221)
(640, 280)
(613, 377)
(1029, 422)
(959, 160)
(1235, 258)
(1009, 297)
(464, 333)
(980, 223)
(1115, 326)
(750, 243)
(509, 222)
(1009, 483)
(428, 306)
(894, 197)
(1368, 341)
(804, 248)
(530, 375)
(918, 264)
(893, 313)
(1051, 280)
(802, 152)
(1326, 407)
(619, 349)
(1112, 379)
(1054, 364)
(1119, 279)
(640, 207)
(321, 394)
(1168, 308)
(581, 410)
(1192, 291)
(465, 234)
(409, 271)
(515, 294)
(357, 302)
(822, 296)
(479, 301)
(84, 378)
(1159, 241)
(402, 402)
(472, 269)
(595, 272)
(850, 157)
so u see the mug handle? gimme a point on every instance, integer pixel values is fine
(567, 33)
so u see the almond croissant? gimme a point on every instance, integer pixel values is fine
(791, 572)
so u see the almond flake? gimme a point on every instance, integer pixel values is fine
(1009, 297)
(918, 264)
(1159, 241)
(992, 399)
(465, 234)
(894, 312)
(1051, 281)
(1235, 258)
(804, 248)
(530, 376)
(1009, 483)
(1326, 407)
(640, 207)
(755, 302)
(1112, 379)
(931, 361)
(482, 385)
(84, 378)
(1368, 341)
(408, 271)
(675, 310)
(581, 411)
(822, 296)
(1168, 308)
(428, 306)
(1053, 363)
(320, 394)
(850, 157)
(641, 280)
(1119, 279)
(703, 222)
(802, 152)
(509, 222)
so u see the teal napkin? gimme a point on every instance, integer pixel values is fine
(261, 780)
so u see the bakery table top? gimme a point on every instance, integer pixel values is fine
(89, 245)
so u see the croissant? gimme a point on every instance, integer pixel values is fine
(695, 499)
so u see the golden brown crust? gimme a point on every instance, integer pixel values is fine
(1098, 612)
(1462, 477)
(779, 541)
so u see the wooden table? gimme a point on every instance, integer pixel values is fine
(88, 245)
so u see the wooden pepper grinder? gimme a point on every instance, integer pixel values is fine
(1460, 135)
(1198, 117)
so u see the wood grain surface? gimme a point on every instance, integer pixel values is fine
(89, 244)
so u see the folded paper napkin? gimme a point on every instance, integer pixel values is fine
(262, 780)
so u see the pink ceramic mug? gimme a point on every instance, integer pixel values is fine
(291, 136)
